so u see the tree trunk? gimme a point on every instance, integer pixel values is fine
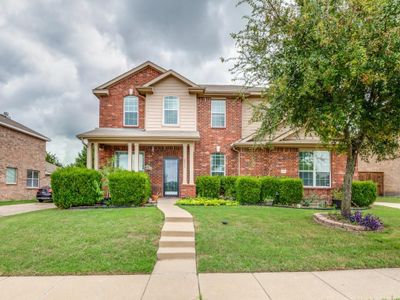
(348, 180)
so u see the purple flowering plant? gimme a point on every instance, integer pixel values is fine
(369, 221)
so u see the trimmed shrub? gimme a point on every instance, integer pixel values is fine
(208, 186)
(290, 191)
(363, 193)
(248, 190)
(228, 186)
(129, 188)
(269, 187)
(76, 187)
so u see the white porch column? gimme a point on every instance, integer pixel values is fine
(96, 156)
(89, 159)
(184, 166)
(191, 161)
(129, 156)
(136, 162)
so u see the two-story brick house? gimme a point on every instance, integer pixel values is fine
(22, 160)
(158, 121)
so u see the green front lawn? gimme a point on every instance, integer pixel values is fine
(92, 241)
(13, 202)
(279, 239)
(388, 199)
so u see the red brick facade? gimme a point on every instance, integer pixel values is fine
(111, 106)
(23, 152)
(276, 162)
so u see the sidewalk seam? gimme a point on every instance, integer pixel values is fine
(386, 275)
(259, 283)
(331, 286)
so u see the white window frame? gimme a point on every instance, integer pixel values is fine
(133, 111)
(16, 175)
(211, 165)
(314, 171)
(31, 178)
(178, 109)
(133, 159)
(218, 100)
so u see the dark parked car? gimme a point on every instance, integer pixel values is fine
(44, 193)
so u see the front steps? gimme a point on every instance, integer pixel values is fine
(177, 240)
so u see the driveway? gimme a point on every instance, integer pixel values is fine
(9, 210)
(392, 205)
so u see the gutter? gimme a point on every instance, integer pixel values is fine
(238, 152)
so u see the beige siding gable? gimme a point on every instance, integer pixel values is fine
(170, 86)
(249, 127)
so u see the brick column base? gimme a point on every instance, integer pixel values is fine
(187, 190)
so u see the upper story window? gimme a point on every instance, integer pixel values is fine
(217, 164)
(171, 110)
(121, 160)
(218, 113)
(131, 111)
(32, 179)
(315, 168)
(11, 176)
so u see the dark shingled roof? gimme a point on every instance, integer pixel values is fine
(9, 123)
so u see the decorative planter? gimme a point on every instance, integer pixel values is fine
(337, 203)
(324, 220)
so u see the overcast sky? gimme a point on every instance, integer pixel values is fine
(53, 52)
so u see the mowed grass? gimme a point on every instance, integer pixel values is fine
(13, 202)
(91, 241)
(388, 199)
(261, 239)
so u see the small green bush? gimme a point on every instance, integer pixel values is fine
(129, 188)
(76, 187)
(290, 191)
(269, 187)
(206, 202)
(228, 186)
(248, 190)
(363, 193)
(208, 186)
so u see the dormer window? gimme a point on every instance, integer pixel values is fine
(171, 111)
(131, 111)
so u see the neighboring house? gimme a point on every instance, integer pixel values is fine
(385, 173)
(22, 160)
(158, 121)
(49, 169)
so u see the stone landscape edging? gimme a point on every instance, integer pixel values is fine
(324, 220)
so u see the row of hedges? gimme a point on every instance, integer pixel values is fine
(82, 187)
(251, 190)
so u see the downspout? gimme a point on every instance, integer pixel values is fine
(238, 152)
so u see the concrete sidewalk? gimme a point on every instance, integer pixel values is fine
(353, 284)
(387, 204)
(9, 210)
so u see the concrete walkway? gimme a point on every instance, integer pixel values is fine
(392, 205)
(175, 273)
(178, 284)
(9, 210)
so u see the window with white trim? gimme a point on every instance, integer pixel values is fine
(131, 111)
(11, 176)
(32, 179)
(121, 160)
(218, 113)
(217, 164)
(171, 110)
(315, 168)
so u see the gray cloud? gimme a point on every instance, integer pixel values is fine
(53, 52)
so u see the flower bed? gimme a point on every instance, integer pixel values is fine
(353, 222)
(206, 202)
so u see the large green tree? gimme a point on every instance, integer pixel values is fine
(53, 159)
(331, 67)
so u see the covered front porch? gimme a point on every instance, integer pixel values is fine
(168, 157)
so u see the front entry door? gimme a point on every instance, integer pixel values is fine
(171, 176)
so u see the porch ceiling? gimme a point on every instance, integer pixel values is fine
(136, 134)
